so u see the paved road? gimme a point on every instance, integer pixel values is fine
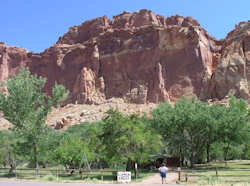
(33, 183)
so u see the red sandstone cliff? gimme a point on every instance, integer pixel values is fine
(232, 76)
(11, 58)
(140, 57)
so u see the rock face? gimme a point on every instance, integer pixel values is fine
(11, 59)
(232, 76)
(140, 57)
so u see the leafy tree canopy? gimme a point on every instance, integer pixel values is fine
(26, 106)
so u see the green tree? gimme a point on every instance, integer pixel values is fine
(126, 139)
(50, 141)
(89, 133)
(3, 148)
(233, 126)
(211, 118)
(184, 127)
(6, 141)
(71, 153)
(191, 127)
(26, 106)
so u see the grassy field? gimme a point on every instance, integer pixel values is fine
(231, 173)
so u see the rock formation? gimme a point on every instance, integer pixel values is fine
(232, 76)
(140, 57)
(11, 58)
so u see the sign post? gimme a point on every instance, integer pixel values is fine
(179, 173)
(136, 171)
(124, 177)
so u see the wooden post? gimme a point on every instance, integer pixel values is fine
(186, 177)
(37, 170)
(102, 174)
(136, 171)
(81, 172)
(216, 171)
(179, 173)
(57, 174)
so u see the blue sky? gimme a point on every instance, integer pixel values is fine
(37, 24)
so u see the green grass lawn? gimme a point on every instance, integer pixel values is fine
(64, 176)
(233, 173)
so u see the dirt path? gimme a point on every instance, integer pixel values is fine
(156, 179)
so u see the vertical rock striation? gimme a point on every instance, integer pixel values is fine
(232, 76)
(140, 57)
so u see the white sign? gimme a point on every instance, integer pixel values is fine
(124, 177)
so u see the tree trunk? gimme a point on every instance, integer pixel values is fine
(36, 160)
(129, 165)
(35, 155)
(208, 153)
(12, 163)
(181, 158)
(192, 160)
(12, 168)
(226, 153)
(181, 161)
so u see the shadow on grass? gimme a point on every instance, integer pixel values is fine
(86, 177)
(244, 164)
(223, 167)
(7, 175)
(213, 168)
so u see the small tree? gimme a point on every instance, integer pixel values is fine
(6, 148)
(26, 106)
(71, 153)
(89, 133)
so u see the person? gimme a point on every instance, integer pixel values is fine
(163, 172)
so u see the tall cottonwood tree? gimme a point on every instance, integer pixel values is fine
(234, 125)
(26, 106)
(190, 127)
